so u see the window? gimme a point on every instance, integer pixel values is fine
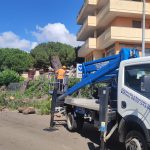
(136, 24)
(110, 52)
(137, 0)
(136, 46)
(134, 78)
(147, 52)
(89, 58)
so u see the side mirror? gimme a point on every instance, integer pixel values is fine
(145, 83)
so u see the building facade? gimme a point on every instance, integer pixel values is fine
(109, 25)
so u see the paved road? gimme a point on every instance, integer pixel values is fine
(20, 132)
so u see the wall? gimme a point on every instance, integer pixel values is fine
(130, 45)
(127, 22)
(97, 54)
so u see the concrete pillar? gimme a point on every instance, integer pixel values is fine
(117, 47)
(95, 34)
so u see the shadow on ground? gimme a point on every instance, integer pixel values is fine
(93, 135)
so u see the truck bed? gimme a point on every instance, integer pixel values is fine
(89, 104)
(83, 102)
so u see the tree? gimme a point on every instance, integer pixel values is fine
(15, 59)
(9, 76)
(79, 59)
(43, 53)
(41, 56)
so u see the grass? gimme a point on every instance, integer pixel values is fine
(34, 96)
(13, 103)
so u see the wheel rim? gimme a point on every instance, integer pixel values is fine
(134, 144)
(69, 120)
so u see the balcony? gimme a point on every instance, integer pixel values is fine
(87, 48)
(121, 34)
(101, 3)
(88, 8)
(87, 29)
(121, 8)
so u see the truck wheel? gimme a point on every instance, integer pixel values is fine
(71, 122)
(135, 141)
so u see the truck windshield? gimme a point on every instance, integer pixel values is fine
(134, 78)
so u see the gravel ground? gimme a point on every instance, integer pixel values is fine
(30, 132)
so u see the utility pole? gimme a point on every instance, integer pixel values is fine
(143, 28)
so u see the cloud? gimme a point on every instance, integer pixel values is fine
(56, 32)
(11, 40)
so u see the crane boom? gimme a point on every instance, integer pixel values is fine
(101, 69)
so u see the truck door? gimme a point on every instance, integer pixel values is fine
(134, 92)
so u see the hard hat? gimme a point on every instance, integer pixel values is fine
(64, 67)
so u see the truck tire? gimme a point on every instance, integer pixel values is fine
(135, 141)
(71, 122)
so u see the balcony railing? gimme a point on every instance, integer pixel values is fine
(82, 27)
(84, 6)
(123, 8)
(87, 47)
(88, 26)
(121, 34)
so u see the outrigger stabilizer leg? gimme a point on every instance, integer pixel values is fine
(53, 106)
(103, 110)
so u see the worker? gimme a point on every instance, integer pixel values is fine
(60, 75)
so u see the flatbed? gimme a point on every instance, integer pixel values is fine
(91, 105)
(83, 103)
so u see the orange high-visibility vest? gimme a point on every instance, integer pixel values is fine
(60, 73)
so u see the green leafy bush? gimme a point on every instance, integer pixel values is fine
(73, 81)
(2, 99)
(44, 107)
(35, 96)
(21, 101)
(87, 91)
(84, 92)
(9, 76)
(37, 88)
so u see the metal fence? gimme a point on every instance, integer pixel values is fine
(16, 86)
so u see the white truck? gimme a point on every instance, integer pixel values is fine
(122, 109)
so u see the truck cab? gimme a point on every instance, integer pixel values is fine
(134, 100)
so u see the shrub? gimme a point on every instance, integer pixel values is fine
(44, 106)
(8, 76)
(37, 88)
(2, 99)
(73, 81)
(86, 91)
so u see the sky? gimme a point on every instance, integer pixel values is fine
(26, 23)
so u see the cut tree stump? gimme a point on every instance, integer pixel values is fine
(56, 63)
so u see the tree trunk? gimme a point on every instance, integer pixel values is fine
(56, 64)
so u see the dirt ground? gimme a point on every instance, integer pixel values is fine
(21, 132)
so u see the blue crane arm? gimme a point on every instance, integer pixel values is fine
(101, 69)
(91, 67)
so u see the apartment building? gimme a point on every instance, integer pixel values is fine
(109, 25)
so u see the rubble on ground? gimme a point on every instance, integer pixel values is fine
(2, 88)
(26, 110)
(2, 108)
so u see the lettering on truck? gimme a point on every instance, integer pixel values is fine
(135, 99)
